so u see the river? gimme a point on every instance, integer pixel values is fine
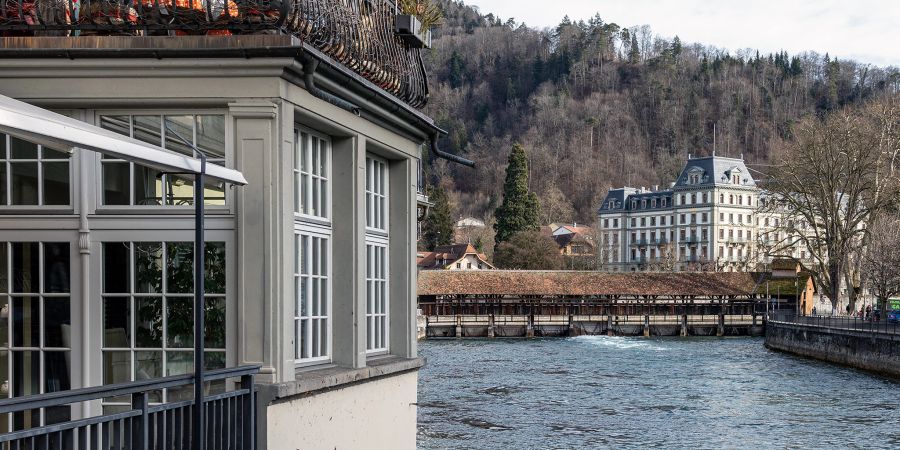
(618, 392)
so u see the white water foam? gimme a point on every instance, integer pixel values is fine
(619, 342)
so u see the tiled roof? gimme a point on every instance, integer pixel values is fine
(715, 170)
(446, 254)
(582, 283)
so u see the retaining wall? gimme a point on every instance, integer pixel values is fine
(878, 352)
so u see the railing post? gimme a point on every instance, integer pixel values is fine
(248, 413)
(141, 424)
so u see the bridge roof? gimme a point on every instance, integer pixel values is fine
(589, 283)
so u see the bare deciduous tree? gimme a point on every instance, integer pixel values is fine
(829, 182)
(880, 263)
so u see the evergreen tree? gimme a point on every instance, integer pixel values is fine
(438, 227)
(634, 55)
(520, 208)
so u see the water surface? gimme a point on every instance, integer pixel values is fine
(620, 392)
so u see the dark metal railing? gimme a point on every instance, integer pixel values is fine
(877, 324)
(230, 417)
(359, 34)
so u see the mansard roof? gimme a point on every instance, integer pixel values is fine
(714, 170)
(621, 199)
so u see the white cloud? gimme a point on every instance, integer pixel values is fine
(864, 30)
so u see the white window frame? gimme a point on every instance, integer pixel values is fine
(6, 166)
(303, 269)
(307, 178)
(227, 160)
(164, 296)
(41, 348)
(377, 242)
(312, 226)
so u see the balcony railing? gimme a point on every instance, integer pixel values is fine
(230, 416)
(359, 34)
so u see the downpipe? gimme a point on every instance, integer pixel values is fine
(309, 81)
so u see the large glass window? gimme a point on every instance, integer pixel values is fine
(377, 296)
(35, 328)
(148, 312)
(33, 175)
(313, 304)
(312, 247)
(377, 268)
(126, 183)
(311, 171)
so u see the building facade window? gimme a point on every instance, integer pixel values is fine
(377, 264)
(33, 175)
(35, 321)
(148, 313)
(126, 183)
(312, 168)
(312, 247)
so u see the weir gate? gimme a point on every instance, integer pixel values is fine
(498, 303)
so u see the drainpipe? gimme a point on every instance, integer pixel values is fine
(309, 81)
(448, 156)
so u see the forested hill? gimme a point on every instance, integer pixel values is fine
(598, 105)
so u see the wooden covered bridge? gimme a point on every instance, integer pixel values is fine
(560, 303)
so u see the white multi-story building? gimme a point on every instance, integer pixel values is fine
(708, 219)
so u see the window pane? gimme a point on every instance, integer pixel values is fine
(215, 264)
(4, 269)
(215, 322)
(148, 322)
(4, 331)
(183, 126)
(211, 135)
(179, 190)
(118, 124)
(26, 321)
(116, 367)
(147, 365)
(20, 149)
(56, 183)
(57, 322)
(116, 322)
(52, 153)
(56, 267)
(115, 267)
(26, 372)
(116, 181)
(3, 179)
(180, 322)
(147, 267)
(213, 192)
(179, 363)
(25, 266)
(179, 267)
(24, 183)
(147, 129)
(147, 186)
(304, 152)
(56, 371)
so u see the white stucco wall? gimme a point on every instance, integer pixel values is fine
(379, 414)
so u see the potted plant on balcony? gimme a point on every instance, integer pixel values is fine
(415, 20)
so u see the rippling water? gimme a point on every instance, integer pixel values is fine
(618, 392)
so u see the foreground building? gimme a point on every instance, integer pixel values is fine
(709, 219)
(310, 271)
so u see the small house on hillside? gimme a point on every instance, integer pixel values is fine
(573, 240)
(453, 257)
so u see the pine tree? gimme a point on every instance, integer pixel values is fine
(520, 208)
(438, 227)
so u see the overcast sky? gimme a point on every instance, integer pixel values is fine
(865, 30)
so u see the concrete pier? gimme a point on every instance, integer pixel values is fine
(646, 326)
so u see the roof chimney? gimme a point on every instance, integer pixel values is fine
(689, 156)
(655, 187)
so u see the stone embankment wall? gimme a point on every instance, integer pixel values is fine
(878, 352)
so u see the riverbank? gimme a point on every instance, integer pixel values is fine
(846, 341)
(621, 392)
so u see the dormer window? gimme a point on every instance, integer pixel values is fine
(653, 203)
(643, 204)
(634, 204)
(736, 179)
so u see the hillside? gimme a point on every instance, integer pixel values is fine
(599, 105)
